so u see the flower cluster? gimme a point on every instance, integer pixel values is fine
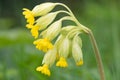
(51, 37)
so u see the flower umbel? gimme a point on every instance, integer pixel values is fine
(43, 44)
(56, 40)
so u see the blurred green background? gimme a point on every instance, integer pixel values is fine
(19, 57)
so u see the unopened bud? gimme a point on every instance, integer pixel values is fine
(76, 50)
(43, 8)
(52, 31)
(64, 47)
(45, 20)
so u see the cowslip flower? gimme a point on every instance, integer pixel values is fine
(76, 50)
(63, 52)
(56, 41)
(48, 35)
(38, 10)
(48, 60)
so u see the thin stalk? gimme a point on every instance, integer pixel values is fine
(97, 55)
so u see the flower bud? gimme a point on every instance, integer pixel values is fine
(45, 20)
(76, 50)
(43, 9)
(52, 31)
(64, 48)
(50, 57)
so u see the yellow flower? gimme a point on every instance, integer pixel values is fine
(43, 44)
(62, 62)
(29, 16)
(77, 51)
(44, 69)
(34, 31)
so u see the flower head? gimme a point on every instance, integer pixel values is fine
(65, 40)
(43, 44)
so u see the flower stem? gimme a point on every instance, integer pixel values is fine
(97, 55)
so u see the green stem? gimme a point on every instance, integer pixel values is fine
(97, 55)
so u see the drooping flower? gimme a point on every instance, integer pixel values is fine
(40, 20)
(48, 60)
(38, 10)
(63, 50)
(43, 44)
(76, 50)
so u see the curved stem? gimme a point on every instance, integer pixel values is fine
(74, 18)
(67, 18)
(97, 55)
(62, 11)
(73, 32)
(65, 7)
